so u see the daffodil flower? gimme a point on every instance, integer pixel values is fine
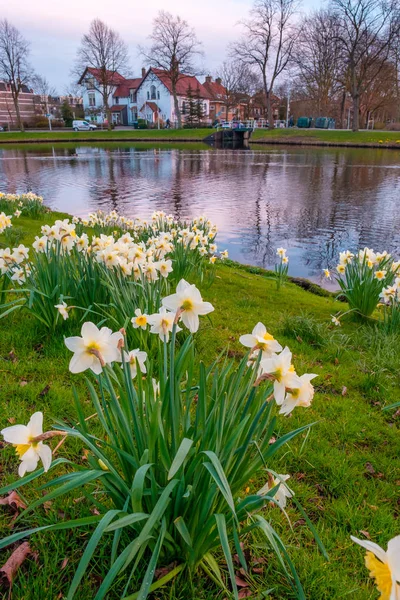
(188, 301)
(299, 396)
(94, 349)
(62, 309)
(29, 451)
(139, 320)
(282, 493)
(136, 355)
(281, 370)
(260, 339)
(162, 323)
(383, 566)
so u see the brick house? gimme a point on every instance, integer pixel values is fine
(223, 107)
(29, 105)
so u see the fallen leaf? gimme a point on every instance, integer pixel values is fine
(241, 582)
(272, 440)
(23, 382)
(11, 420)
(10, 568)
(94, 511)
(299, 523)
(13, 500)
(47, 506)
(344, 390)
(44, 391)
(246, 593)
(365, 533)
(12, 357)
(369, 468)
(162, 571)
(64, 563)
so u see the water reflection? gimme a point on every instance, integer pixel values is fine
(315, 202)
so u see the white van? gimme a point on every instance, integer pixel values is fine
(83, 126)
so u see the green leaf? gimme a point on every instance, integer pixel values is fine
(128, 520)
(89, 550)
(223, 536)
(137, 487)
(149, 575)
(217, 473)
(180, 456)
(31, 476)
(183, 530)
(159, 583)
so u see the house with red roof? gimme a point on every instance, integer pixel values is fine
(224, 106)
(121, 96)
(156, 102)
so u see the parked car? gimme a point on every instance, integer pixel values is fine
(280, 124)
(225, 125)
(83, 126)
(1, 128)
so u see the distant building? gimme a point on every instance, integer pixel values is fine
(156, 102)
(258, 106)
(29, 105)
(223, 107)
(121, 100)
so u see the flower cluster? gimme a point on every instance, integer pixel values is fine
(281, 267)
(29, 203)
(381, 264)
(275, 364)
(5, 222)
(390, 295)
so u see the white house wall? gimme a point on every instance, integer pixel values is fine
(164, 102)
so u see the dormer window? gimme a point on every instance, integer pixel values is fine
(117, 100)
(153, 92)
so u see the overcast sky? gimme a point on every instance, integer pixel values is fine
(54, 28)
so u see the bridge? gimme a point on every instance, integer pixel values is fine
(230, 138)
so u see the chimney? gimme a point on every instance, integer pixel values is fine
(143, 72)
(218, 80)
(208, 79)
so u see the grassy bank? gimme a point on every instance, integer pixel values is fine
(344, 472)
(389, 139)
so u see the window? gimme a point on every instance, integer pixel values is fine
(90, 83)
(158, 94)
(205, 108)
(183, 107)
(92, 99)
(148, 95)
(132, 96)
(212, 107)
(153, 92)
(116, 99)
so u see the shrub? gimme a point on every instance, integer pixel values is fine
(174, 456)
(362, 278)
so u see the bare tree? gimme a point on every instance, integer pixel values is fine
(318, 60)
(42, 86)
(14, 66)
(239, 81)
(367, 30)
(174, 49)
(268, 42)
(102, 49)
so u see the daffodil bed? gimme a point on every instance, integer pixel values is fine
(344, 471)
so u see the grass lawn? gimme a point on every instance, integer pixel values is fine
(283, 136)
(345, 471)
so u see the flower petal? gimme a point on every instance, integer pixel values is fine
(35, 424)
(393, 556)
(80, 362)
(16, 434)
(45, 454)
(75, 343)
(372, 547)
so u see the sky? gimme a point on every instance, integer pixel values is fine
(54, 28)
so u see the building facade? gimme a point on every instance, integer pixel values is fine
(156, 102)
(29, 105)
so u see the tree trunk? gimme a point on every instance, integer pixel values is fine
(20, 124)
(356, 112)
(107, 109)
(342, 109)
(270, 116)
(176, 107)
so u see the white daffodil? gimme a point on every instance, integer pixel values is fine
(140, 319)
(136, 355)
(282, 372)
(17, 213)
(281, 252)
(224, 254)
(19, 276)
(260, 339)
(94, 349)
(62, 309)
(29, 451)
(165, 267)
(327, 273)
(335, 321)
(383, 566)
(300, 396)
(162, 323)
(380, 275)
(283, 492)
(189, 302)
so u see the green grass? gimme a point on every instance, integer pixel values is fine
(345, 472)
(327, 136)
(283, 136)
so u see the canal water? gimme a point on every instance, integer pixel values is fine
(313, 201)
